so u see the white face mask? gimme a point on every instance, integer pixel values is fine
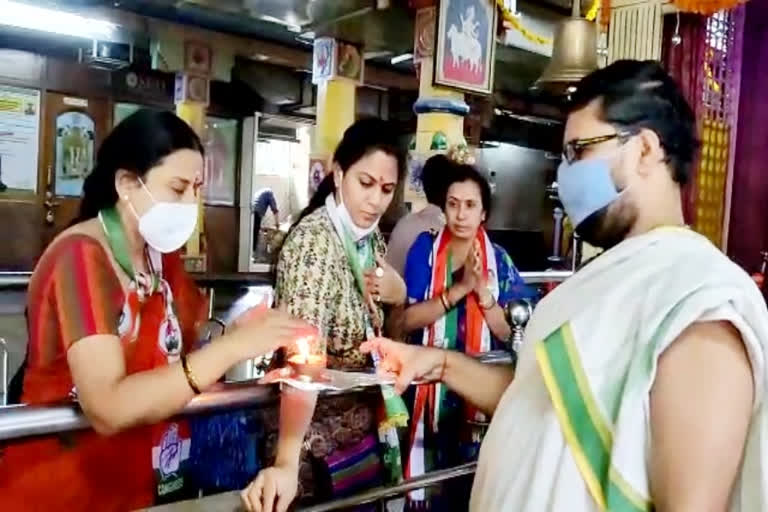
(166, 226)
(353, 229)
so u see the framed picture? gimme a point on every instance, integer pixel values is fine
(465, 45)
(197, 57)
(189, 87)
(332, 59)
(323, 59)
(75, 152)
(349, 62)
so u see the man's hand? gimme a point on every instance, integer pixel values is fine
(407, 362)
(458, 371)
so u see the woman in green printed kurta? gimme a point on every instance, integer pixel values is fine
(331, 273)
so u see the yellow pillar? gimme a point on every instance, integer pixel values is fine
(193, 112)
(431, 124)
(335, 113)
(335, 107)
(440, 119)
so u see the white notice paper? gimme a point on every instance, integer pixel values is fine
(19, 138)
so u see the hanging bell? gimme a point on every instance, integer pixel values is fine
(574, 53)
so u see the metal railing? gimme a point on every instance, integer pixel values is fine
(31, 420)
(11, 280)
(231, 500)
(382, 493)
(5, 369)
(20, 280)
(26, 420)
(546, 276)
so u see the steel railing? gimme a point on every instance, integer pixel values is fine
(14, 280)
(231, 500)
(5, 368)
(26, 420)
(31, 420)
(20, 280)
(385, 492)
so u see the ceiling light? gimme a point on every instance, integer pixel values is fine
(287, 23)
(376, 54)
(401, 58)
(17, 14)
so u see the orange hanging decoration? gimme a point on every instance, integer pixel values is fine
(706, 7)
(605, 14)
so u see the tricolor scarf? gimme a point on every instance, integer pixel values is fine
(142, 286)
(361, 255)
(442, 334)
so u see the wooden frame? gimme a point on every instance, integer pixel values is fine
(465, 45)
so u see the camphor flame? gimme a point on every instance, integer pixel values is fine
(302, 350)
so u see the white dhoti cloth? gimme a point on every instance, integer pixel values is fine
(572, 432)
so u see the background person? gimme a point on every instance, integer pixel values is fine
(434, 177)
(264, 200)
(458, 285)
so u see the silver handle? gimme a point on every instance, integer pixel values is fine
(4, 348)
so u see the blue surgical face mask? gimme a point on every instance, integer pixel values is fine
(585, 187)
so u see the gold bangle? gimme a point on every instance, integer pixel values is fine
(191, 380)
(445, 363)
(445, 300)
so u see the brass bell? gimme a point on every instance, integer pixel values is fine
(574, 53)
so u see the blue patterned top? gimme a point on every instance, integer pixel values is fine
(418, 274)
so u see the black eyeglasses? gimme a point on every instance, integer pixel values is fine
(573, 150)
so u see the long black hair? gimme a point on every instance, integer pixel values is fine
(434, 178)
(137, 144)
(361, 139)
(641, 94)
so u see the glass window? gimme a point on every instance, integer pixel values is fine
(221, 150)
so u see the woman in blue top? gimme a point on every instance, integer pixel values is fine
(458, 284)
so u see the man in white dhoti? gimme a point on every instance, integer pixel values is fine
(641, 382)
